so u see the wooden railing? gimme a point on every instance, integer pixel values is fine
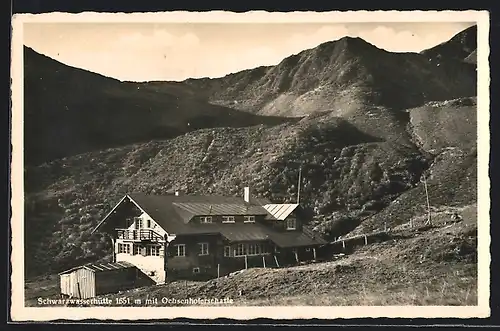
(139, 235)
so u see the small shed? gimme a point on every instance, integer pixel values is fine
(90, 280)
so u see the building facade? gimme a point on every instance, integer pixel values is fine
(198, 237)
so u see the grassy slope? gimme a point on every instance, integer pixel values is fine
(447, 130)
(452, 123)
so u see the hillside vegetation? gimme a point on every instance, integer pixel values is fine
(375, 122)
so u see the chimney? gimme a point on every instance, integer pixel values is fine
(246, 194)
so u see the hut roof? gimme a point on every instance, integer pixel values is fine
(95, 267)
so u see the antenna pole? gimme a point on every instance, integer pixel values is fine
(298, 186)
(429, 221)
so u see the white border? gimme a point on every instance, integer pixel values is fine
(21, 313)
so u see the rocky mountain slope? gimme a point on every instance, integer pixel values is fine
(362, 164)
(341, 76)
(69, 111)
(461, 46)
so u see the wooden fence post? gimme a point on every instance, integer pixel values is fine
(366, 240)
(79, 292)
(343, 244)
(296, 257)
(246, 262)
(276, 260)
(314, 253)
(264, 261)
(218, 270)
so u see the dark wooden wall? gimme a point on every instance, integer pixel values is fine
(121, 279)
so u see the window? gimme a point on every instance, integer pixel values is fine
(241, 250)
(249, 219)
(148, 223)
(153, 250)
(203, 248)
(250, 249)
(138, 223)
(227, 251)
(227, 219)
(206, 219)
(137, 250)
(124, 248)
(291, 224)
(196, 270)
(308, 249)
(180, 250)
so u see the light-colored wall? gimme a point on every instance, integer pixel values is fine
(81, 284)
(154, 225)
(66, 284)
(146, 264)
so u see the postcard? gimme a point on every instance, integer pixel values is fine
(210, 165)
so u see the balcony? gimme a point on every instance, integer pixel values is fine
(139, 235)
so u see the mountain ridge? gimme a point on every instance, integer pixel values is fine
(334, 73)
(459, 47)
(69, 110)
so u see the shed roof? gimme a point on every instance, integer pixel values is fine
(244, 232)
(295, 239)
(95, 267)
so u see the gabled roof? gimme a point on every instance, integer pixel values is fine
(94, 267)
(280, 211)
(174, 212)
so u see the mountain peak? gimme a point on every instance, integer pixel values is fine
(459, 47)
(353, 44)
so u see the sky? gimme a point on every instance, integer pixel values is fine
(177, 51)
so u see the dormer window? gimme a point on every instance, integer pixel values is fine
(206, 219)
(227, 219)
(291, 224)
(249, 219)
